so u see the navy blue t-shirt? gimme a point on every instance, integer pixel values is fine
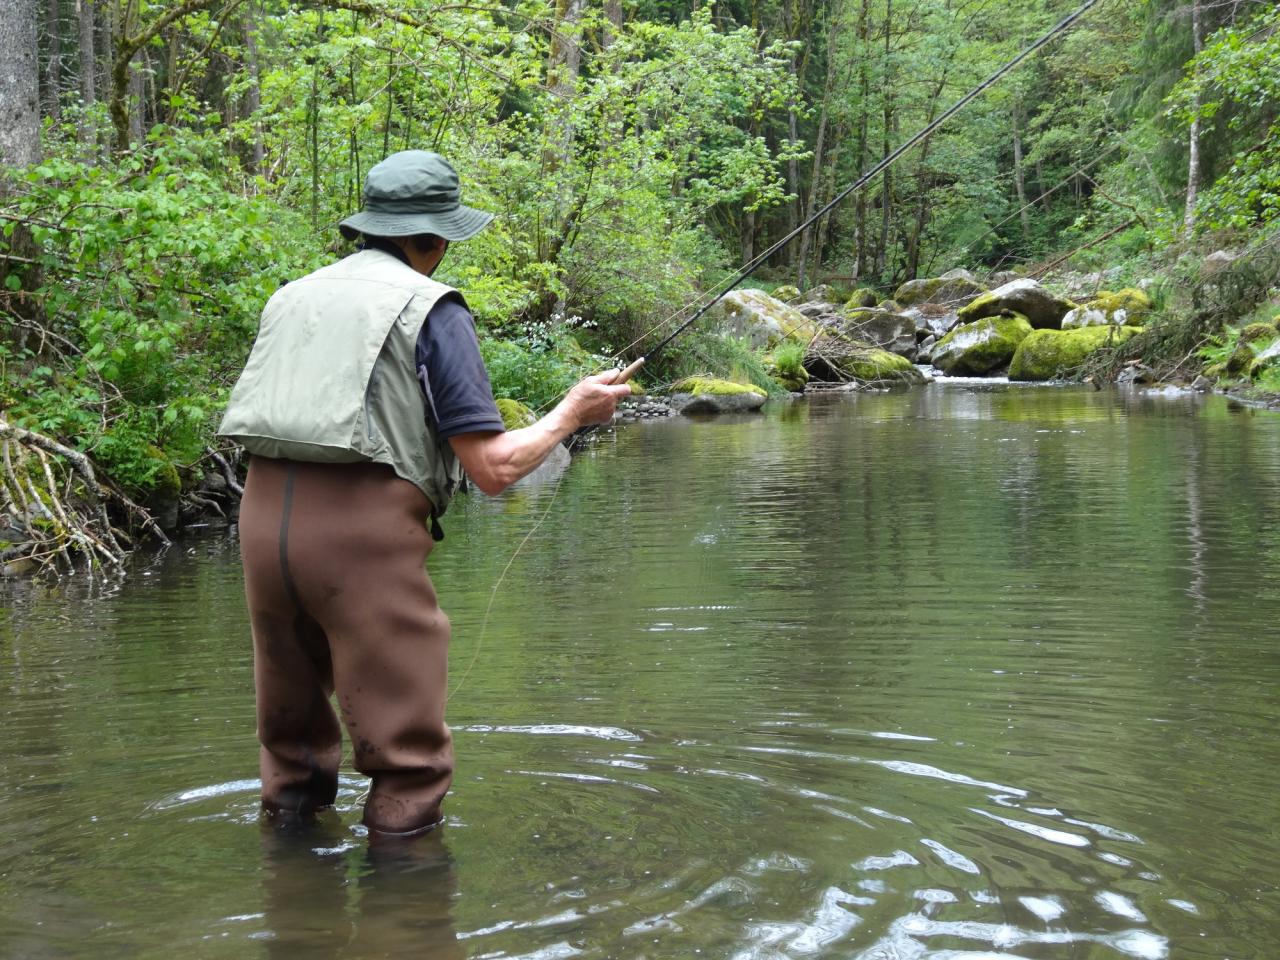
(454, 381)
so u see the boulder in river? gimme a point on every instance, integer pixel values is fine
(863, 297)
(895, 332)
(1052, 354)
(952, 287)
(515, 414)
(762, 319)
(833, 358)
(932, 320)
(980, 347)
(1043, 310)
(707, 395)
(1126, 307)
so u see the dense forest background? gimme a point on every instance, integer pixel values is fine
(168, 165)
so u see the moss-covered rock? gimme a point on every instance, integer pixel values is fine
(166, 483)
(787, 293)
(835, 359)
(698, 386)
(1125, 307)
(887, 329)
(1043, 310)
(763, 319)
(1051, 354)
(951, 287)
(515, 414)
(982, 346)
(787, 368)
(707, 395)
(1255, 332)
(864, 297)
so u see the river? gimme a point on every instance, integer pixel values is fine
(962, 672)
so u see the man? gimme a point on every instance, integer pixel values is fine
(363, 401)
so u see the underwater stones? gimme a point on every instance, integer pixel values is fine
(836, 358)
(1123, 308)
(1043, 310)
(1051, 354)
(762, 319)
(951, 287)
(515, 414)
(982, 346)
(895, 332)
(708, 395)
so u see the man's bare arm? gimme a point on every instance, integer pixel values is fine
(494, 461)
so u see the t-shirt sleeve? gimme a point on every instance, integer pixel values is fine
(454, 381)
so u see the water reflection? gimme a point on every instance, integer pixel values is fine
(957, 673)
(327, 895)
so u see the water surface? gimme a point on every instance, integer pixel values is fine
(956, 673)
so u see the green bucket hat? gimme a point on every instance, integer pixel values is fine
(414, 191)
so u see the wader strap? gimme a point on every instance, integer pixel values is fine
(437, 532)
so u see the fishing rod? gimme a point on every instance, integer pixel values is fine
(745, 271)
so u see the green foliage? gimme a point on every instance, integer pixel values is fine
(538, 366)
(1236, 77)
(153, 271)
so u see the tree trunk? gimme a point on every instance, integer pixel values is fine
(806, 236)
(1193, 139)
(19, 147)
(253, 96)
(53, 66)
(1019, 175)
(860, 159)
(88, 70)
(19, 85)
(886, 179)
(613, 22)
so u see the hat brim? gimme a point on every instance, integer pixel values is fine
(462, 223)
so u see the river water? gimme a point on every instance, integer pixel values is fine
(962, 672)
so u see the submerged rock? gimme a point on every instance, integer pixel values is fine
(835, 359)
(1124, 308)
(952, 287)
(982, 346)
(1051, 354)
(1043, 310)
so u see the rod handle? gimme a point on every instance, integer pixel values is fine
(630, 371)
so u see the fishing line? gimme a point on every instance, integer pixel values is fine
(746, 270)
(717, 294)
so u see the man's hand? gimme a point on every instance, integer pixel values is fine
(494, 461)
(594, 399)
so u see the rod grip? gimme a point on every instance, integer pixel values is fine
(629, 371)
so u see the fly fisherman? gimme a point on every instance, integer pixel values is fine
(362, 403)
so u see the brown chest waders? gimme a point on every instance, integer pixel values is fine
(340, 601)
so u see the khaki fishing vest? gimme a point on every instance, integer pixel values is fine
(332, 376)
